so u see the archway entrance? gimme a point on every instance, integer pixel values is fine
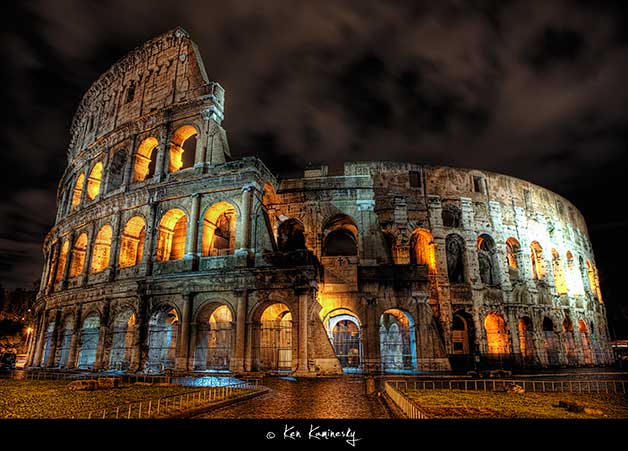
(162, 340)
(274, 346)
(526, 342)
(343, 330)
(122, 340)
(61, 357)
(89, 341)
(397, 341)
(215, 335)
(461, 358)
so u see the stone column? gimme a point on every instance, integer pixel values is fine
(40, 338)
(250, 336)
(128, 171)
(103, 332)
(141, 335)
(75, 340)
(83, 189)
(54, 254)
(184, 342)
(54, 339)
(44, 273)
(161, 164)
(191, 240)
(151, 233)
(89, 252)
(372, 360)
(304, 294)
(245, 244)
(237, 359)
(114, 254)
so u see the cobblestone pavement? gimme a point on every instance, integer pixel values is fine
(343, 397)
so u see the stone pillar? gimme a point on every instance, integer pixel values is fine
(128, 171)
(250, 336)
(83, 189)
(151, 234)
(44, 273)
(114, 254)
(89, 252)
(68, 260)
(141, 336)
(238, 356)
(184, 342)
(52, 272)
(39, 346)
(304, 294)
(103, 332)
(245, 244)
(372, 360)
(54, 340)
(75, 340)
(191, 240)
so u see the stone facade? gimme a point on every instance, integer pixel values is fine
(169, 254)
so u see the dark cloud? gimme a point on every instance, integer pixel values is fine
(532, 89)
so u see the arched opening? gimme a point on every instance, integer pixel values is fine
(290, 235)
(392, 253)
(63, 350)
(455, 249)
(586, 342)
(487, 260)
(62, 261)
(422, 249)
(93, 181)
(219, 230)
(144, 166)
(591, 279)
(496, 334)
(116, 170)
(340, 234)
(274, 350)
(182, 148)
(78, 190)
(53, 256)
(569, 342)
(559, 276)
(90, 333)
(48, 339)
(171, 236)
(461, 357)
(572, 276)
(451, 216)
(163, 328)
(397, 341)
(536, 256)
(513, 254)
(526, 341)
(132, 242)
(78, 256)
(101, 249)
(214, 339)
(122, 340)
(551, 342)
(343, 330)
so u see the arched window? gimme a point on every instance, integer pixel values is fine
(526, 340)
(536, 256)
(93, 181)
(214, 337)
(171, 236)
(456, 268)
(219, 230)
(496, 334)
(90, 333)
(487, 260)
(101, 249)
(290, 235)
(182, 148)
(78, 255)
(163, 331)
(559, 276)
(132, 242)
(274, 345)
(122, 340)
(422, 249)
(340, 237)
(62, 260)
(144, 166)
(451, 216)
(116, 170)
(78, 190)
(513, 251)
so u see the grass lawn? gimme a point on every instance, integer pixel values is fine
(51, 399)
(481, 404)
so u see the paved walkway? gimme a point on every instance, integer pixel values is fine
(342, 397)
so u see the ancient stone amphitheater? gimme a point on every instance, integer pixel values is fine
(168, 254)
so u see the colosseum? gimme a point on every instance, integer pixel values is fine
(167, 254)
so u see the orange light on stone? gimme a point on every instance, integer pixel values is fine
(171, 237)
(93, 181)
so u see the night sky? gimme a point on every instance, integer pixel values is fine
(536, 90)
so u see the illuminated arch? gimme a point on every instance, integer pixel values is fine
(397, 340)
(215, 334)
(163, 331)
(559, 275)
(171, 235)
(101, 249)
(132, 242)
(536, 256)
(341, 236)
(122, 341)
(513, 252)
(144, 166)
(78, 255)
(344, 332)
(422, 249)
(63, 255)
(219, 230)
(94, 180)
(274, 344)
(487, 260)
(90, 333)
(182, 148)
(496, 334)
(78, 190)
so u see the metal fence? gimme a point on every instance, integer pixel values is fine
(167, 405)
(405, 404)
(574, 386)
